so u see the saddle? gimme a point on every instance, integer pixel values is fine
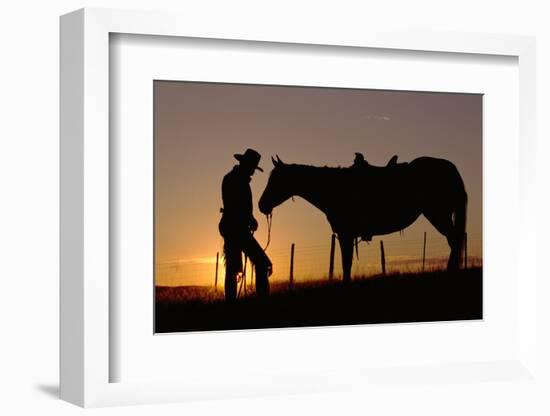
(360, 162)
(382, 183)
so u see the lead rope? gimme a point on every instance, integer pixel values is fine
(269, 218)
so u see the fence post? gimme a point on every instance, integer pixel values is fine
(465, 251)
(216, 278)
(291, 282)
(424, 253)
(331, 261)
(382, 257)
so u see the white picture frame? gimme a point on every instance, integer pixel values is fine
(85, 355)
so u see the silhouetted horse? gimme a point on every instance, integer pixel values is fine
(376, 200)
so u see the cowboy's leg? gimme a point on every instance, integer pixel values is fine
(233, 266)
(262, 265)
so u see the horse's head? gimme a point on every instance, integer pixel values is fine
(278, 188)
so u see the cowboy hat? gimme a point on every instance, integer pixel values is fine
(250, 157)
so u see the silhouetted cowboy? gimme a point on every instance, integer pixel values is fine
(238, 224)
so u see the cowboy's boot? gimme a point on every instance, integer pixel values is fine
(262, 282)
(230, 287)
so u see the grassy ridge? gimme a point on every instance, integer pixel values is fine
(433, 296)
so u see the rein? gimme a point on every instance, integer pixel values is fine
(269, 218)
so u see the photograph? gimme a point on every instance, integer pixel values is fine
(281, 206)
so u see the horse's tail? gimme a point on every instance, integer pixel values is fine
(459, 214)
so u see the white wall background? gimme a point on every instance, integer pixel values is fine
(29, 188)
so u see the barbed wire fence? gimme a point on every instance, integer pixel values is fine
(296, 264)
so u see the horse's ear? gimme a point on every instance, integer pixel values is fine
(274, 161)
(279, 160)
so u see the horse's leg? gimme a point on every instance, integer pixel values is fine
(442, 220)
(346, 247)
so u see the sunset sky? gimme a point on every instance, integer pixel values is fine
(199, 126)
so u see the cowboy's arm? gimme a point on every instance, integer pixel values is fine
(247, 200)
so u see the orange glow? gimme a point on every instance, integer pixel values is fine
(198, 128)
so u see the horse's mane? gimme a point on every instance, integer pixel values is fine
(312, 168)
(333, 177)
(324, 168)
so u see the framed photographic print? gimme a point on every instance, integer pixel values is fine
(343, 191)
(319, 201)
